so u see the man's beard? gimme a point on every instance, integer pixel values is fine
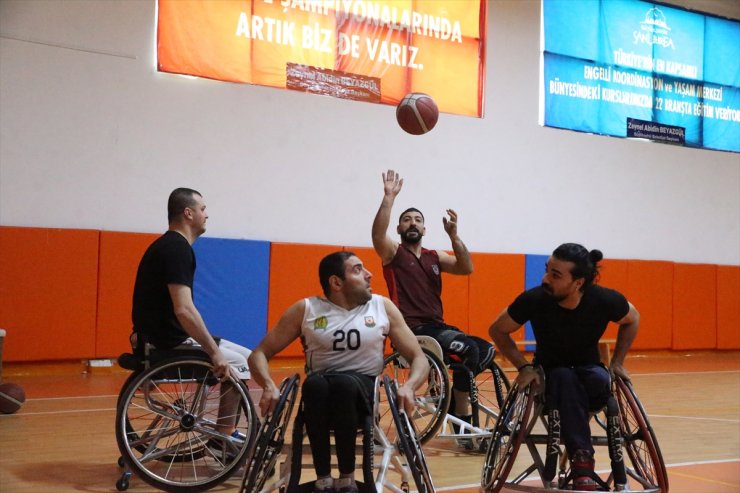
(411, 239)
(549, 293)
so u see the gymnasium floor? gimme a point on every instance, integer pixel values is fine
(62, 440)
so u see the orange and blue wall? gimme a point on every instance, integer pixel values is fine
(66, 293)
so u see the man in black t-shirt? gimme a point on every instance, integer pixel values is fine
(163, 312)
(569, 314)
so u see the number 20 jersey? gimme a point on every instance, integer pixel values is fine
(335, 339)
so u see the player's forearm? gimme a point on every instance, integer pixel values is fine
(625, 337)
(382, 218)
(193, 324)
(260, 369)
(464, 262)
(418, 372)
(506, 346)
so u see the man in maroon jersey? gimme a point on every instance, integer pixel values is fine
(414, 278)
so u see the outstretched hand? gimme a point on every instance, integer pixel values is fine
(450, 224)
(392, 183)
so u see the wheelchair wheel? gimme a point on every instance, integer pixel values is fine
(493, 387)
(507, 438)
(408, 441)
(648, 467)
(432, 399)
(271, 439)
(167, 425)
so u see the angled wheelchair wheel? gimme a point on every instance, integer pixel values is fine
(271, 438)
(167, 425)
(508, 435)
(493, 387)
(432, 399)
(408, 441)
(648, 467)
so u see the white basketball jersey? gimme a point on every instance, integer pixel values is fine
(336, 339)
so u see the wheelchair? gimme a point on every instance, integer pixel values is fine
(432, 417)
(167, 419)
(263, 461)
(625, 429)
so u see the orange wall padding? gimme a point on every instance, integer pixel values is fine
(694, 306)
(294, 274)
(650, 289)
(120, 254)
(48, 293)
(613, 275)
(496, 280)
(728, 307)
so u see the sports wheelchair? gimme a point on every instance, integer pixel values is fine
(625, 429)
(432, 417)
(167, 419)
(263, 461)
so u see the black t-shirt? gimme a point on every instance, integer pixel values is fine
(169, 260)
(568, 337)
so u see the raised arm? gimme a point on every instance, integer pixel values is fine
(286, 331)
(405, 343)
(460, 263)
(192, 323)
(625, 336)
(382, 242)
(500, 331)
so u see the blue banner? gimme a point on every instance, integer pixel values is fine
(607, 61)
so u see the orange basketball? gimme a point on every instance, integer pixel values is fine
(12, 397)
(417, 113)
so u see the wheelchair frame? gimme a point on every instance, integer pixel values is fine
(271, 442)
(167, 418)
(432, 417)
(629, 429)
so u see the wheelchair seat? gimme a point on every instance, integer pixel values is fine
(626, 434)
(168, 417)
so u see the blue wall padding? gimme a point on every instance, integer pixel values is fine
(231, 286)
(534, 269)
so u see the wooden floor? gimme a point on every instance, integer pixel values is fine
(62, 440)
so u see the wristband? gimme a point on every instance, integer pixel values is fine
(524, 366)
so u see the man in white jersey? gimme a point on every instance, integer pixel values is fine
(343, 338)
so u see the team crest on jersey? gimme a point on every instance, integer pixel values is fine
(435, 269)
(369, 322)
(320, 323)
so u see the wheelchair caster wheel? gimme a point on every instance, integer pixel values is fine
(120, 462)
(122, 484)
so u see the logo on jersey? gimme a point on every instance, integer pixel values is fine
(369, 322)
(435, 269)
(320, 323)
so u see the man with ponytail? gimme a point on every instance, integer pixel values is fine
(569, 313)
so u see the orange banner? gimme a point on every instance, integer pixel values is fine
(366, 50)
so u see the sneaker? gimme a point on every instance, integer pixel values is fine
(582, 465)
(219, 447)
(345, 485)
(324, 485)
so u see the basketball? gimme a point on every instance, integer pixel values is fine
(12, 397)
(417, 113)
